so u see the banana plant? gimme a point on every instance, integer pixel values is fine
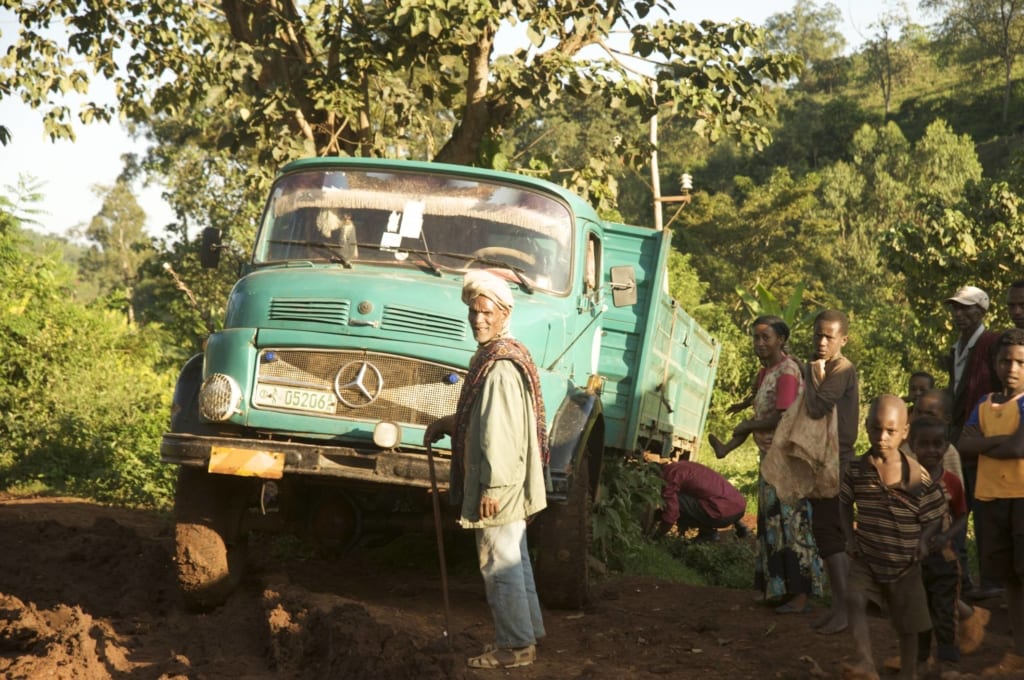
(761, 301)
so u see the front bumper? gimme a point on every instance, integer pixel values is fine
(338, 462)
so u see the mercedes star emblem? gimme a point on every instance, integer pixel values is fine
(358, 384)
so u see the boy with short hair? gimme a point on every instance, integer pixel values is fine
(898, 509)
(993, 432)
(940, 569)
(938, 404)
(920, 382)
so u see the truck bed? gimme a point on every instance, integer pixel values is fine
(673, 358)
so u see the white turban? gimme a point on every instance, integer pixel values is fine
(480, 282)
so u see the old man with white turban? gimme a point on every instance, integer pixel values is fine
(499, 447)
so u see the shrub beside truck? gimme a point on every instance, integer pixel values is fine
(345, 336)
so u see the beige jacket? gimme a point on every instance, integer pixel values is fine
(502, 451)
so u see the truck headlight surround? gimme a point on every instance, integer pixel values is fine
(219, 397)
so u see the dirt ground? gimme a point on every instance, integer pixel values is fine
(88, 592)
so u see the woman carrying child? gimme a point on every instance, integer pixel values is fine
(788, 569)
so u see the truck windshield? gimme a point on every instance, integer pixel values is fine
(357, 217)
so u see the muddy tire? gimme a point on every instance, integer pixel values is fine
(561, 534)
(210, 546)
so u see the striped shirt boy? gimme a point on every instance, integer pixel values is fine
(889, 519)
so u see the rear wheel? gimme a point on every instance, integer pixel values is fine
(562, 536)
(210, 545)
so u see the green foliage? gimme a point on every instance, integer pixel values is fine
(761, 302)
(659, 560)
(890, 55)
(629, 492)
(394, 77)
(118, 246)
(812, 32)
(983, 31)
(741, 468)
(726, 562)
(81, 406)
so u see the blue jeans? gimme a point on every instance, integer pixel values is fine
(508, 580)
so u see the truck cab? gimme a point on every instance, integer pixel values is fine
(345, 336)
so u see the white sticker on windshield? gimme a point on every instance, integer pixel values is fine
(393, 220)
(412, 219)
(390, 239)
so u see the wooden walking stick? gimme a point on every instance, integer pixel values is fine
(440, 544)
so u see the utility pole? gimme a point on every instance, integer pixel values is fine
(685, 182)
(655, 177)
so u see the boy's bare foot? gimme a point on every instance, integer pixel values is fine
(1010, 666)
(822, 620)
(795, 605)
(849, 671)
(719, 446)
(836, 623)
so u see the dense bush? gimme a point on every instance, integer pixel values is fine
(81, 406)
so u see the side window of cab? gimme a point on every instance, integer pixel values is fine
(592, 265)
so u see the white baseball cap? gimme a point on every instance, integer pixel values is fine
(970, 295)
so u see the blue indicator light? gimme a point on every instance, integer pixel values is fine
(452, 378)
(269, 356)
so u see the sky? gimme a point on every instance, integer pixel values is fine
(70, 170)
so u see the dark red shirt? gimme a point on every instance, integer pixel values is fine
(978, 379)
(713, 492)
(953, 489)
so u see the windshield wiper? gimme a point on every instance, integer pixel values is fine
(332, 250)
(433, 266)
(518, 271)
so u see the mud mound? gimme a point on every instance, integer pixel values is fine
(127, 573)
(343, 640)
(60, 643)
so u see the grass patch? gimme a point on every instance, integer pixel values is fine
(654, 559)
(727, 562)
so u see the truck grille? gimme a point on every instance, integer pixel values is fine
(407, 390)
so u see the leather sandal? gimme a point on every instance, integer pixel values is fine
(504, 658)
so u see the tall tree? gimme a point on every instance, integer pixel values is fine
(888, 54)
(119, 245)
(383, 77)
(812, 32)
(984, 31)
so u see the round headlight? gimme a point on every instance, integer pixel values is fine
(219, 397)
(386, 434)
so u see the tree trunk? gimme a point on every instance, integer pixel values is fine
(464, 145)
(1007, 86)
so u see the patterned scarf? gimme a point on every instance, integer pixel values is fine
(503, 348)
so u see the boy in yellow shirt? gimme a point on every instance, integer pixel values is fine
(993, 432)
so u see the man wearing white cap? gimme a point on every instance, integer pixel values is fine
(971, 377)
(499, 447)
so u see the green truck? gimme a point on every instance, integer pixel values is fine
(345, 335)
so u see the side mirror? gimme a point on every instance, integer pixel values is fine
(623, 286)
(209, 251)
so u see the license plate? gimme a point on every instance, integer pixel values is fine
(295, 398)
(225, 460)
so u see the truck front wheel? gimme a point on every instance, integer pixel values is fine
(562, 537)
(210, 545)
